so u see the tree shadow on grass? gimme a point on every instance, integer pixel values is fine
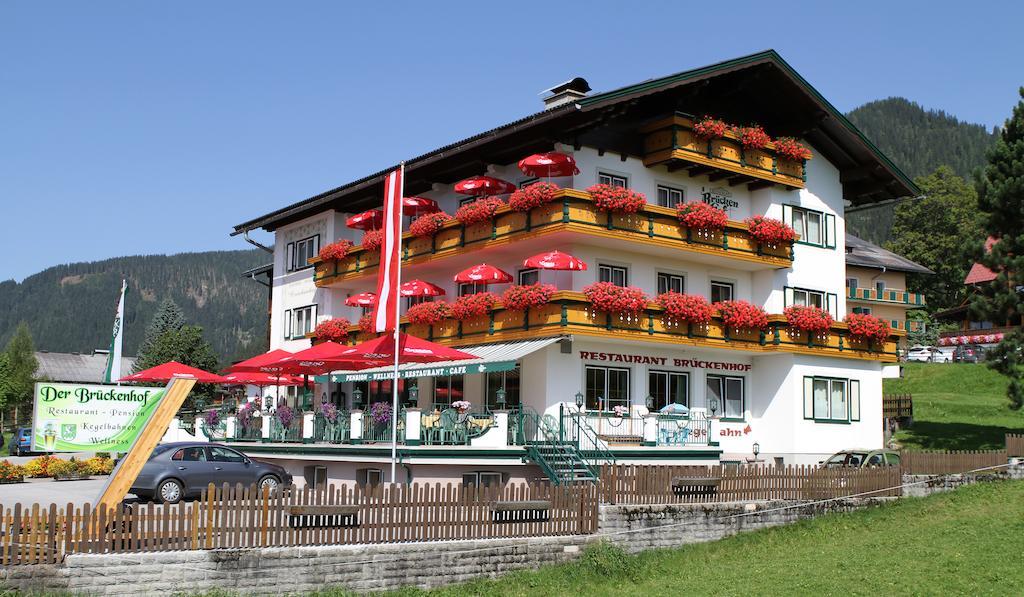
(928, 435)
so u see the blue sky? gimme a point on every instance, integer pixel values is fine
(153, 127)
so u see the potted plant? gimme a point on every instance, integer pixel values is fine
(609, 298)
(791, 149)
(481, 210)
(427, 226)
(741, 315)
(336, 250)
(535, 195)
(620, 411)
(430, 312)
(332, 330)
(770, 231)
(708, 128)
(462, 406)
(616, 199)
(753, 137)
(868, 327)
(373, 239)
(523, 297)
(685, 308)
(701, 216)
(473, 305)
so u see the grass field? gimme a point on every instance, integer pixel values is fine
(965, 542)
(956, 407)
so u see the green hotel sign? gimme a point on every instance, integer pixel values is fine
(90, 418)
(422, 372)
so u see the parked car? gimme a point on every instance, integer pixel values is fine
(928, 354)
(180, 470)
(21, 442)
(968, 353)
(862, 459)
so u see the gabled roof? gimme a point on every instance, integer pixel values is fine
(980, 274)
(861, 253)
(760, 86)
(76, 368)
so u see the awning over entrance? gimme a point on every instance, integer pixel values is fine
(491, 357)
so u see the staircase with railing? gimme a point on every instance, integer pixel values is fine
(577, 430)
(559, 458)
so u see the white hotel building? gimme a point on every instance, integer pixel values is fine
(799, 399)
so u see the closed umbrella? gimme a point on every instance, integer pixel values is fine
(163, 373)
(549, 164)
(556, 260)
(484, 185)
(363, 299)
(483, 274)
(420, 288)
(368, 220)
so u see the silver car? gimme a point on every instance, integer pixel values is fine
(182, 470)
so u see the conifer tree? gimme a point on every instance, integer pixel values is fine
(168, 318)
(1001, 197)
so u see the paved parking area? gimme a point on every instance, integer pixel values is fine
(47, 491)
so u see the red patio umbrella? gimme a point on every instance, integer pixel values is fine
(323, 358)
(368, 220)
(257, 378)
(555, 260)
(363, 299)
(261, 362)
(411, 350)
(418, 206)
(483, 274)
(484, 185)
(420, 288)
(165, 372)
(549, 164)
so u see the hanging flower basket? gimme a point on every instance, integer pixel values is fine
(753, 137)
(366, 324)
(429, 313)
(481, 210)
(741, 315)
(685, 308)
(791, 149)
(770, 231)
(616, 199)
(373, 239)
(336, 250)
(473, 305)
(521, 298)
(868, 327)
(808, 319)
(332, 330)
(708, 128)
(427, 226)
(701, 216)
(609, 298)
(535, 195)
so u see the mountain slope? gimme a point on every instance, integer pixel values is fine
(71, 307)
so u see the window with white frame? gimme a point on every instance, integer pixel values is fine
(671, 283)
(414, 300)
(831, 399)
(300, 251)
(482, 479)
(466, 288)
(612, 180)
(729, 392)
(721, 291)
(615, 274)
(606, 388)
(805, 297)
(299, 321)
(814, 227)
(668, 387)
(528, 276)
(670, 196)
(369, 476)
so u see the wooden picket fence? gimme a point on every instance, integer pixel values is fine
(656, 484)
(950, 462)
(1014, 444)
(232, 517)
(898, 406)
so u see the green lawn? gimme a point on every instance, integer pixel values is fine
(956, 407)
(965, 542)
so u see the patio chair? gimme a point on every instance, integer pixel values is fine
(449, 429)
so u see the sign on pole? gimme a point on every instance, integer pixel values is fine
(90, 418)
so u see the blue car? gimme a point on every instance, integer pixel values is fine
(21, 442)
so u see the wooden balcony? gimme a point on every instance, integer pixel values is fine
(572, 211)
(671, 141)
(895, 297)
(569, 312)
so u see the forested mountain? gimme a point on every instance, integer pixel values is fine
(70, 307)
(918, 141)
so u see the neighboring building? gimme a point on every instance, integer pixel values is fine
(971, 330)
(800, 399)
(73, 367)
(876, 283)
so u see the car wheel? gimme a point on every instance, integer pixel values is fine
(169, 492)
(271, 483)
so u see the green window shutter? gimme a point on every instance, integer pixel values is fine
(830, 231)
(832, 305)
(808, 397)
(854, 400)
(787, 296)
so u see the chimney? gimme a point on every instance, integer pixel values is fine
(564, 93)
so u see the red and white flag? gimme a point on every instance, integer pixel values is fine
(385, 314)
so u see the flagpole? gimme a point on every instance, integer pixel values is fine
(398, 306)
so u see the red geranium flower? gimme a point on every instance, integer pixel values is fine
(373, 239)
(535, 195)
(868, 327)
(753, 137)
(481, 210)
(770, 231)
(336, 250)
(430, 312)
(701, 216)
(791, 149)
(708, 128)
(366, 324)
(616, 199)
(689, 308)
(808, 319)
(742, 315)
(609, 298)
(521, 298)
(428, 225)
(473, 305)
(332, 330)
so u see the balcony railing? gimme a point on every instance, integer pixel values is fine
(570, 312)
(901, 297)
(451, 428)
(571, 211)
(671, 141)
